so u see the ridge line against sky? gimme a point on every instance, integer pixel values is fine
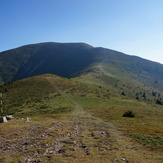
(130, 26)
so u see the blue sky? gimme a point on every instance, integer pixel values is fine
(134, 27)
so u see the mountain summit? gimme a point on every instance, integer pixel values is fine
(74, 59)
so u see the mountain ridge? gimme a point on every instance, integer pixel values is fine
(20, 56)
(75, 59)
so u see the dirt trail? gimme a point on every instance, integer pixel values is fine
(94, 136)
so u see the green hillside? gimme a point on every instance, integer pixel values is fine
(129, 76)
(77, 119)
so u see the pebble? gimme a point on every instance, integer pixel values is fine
(123, 159)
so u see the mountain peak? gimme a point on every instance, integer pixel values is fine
(72, 59)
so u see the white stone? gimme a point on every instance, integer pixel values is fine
(3, 119)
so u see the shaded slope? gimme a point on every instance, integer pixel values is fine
(60, 59)
(11, 60)
(56, 58)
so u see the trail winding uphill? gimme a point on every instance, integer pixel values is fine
(75, 137)
(93, 140)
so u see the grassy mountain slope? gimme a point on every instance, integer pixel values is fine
(130, 76)
(74, 121)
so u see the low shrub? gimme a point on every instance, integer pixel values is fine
(128, 114)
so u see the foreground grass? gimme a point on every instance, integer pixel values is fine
(70, 137)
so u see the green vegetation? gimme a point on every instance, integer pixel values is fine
(77, 119)
(85, 118)
(148, 139)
